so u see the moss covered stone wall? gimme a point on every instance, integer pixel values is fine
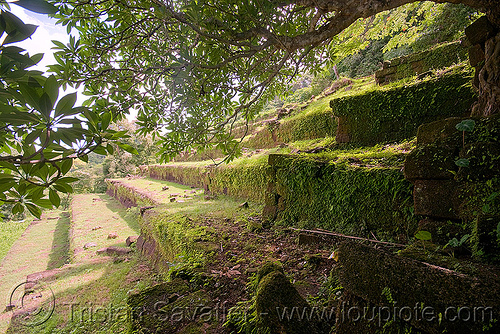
(395, 113)
(246, 180)
(319, 123)
(440, 56)
(357, 201)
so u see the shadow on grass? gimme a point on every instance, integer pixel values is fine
(115, 206)
(95, 306)
(59, 254)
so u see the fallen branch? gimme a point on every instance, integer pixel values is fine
(342, 236)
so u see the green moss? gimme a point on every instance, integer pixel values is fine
(355, 201)
(395, 111)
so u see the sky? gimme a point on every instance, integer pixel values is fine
(41, 42)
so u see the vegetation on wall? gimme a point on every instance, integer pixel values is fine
(339, 197)
(394, 112)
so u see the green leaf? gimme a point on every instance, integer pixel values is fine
(16, 29)
(106, 119)
(18, 208)
(67, 179)
(44, 203)
(66, 166)
(65, 105)
(37, 6)
(84, 158)
(100, 150)
(34, 210)
(63, 187)
(423, 235)
(54, 197)
(52, 89)
(45, 105)
(462, 162)
(110, 149)
(466, 125)
(127, 148)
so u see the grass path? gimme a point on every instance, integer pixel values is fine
(87, 281)
(94, 217)
(34, 251)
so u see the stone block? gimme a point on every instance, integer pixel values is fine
(131, 240)
(476, 55)
(276, 294)
(269, 212)
(419, 292)
(431, 162)
(480, 31)
(342, 132)
(439, 130)
(436, 198)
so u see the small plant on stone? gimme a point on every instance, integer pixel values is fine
(423, 236)
(455, 243)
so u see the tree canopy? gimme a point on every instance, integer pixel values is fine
(190, 69)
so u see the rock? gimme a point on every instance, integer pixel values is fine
(342, 132)
(89, 244)
(243, 205)
(102, 250)
(113, 250)
(112, 235)
(172, 199)
(210, 197)
(139, 243)
(131, 240)
(431, 162)
(144, 209)
(436, 198)
(429, 133)
(480, 31)
(276, 294)
(192, 192)
(145, 313)
(96, 228)
(414, 284)
(164, 188)
(174, 195)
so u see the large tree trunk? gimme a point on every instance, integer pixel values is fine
(489, 80)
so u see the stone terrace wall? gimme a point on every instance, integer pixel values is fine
(395, 113)
(440, 56)
(356, 201)
(245, 181)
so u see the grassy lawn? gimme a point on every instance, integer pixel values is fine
(10, 231)
(91, 290)
(31, 253)
(153, 189)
